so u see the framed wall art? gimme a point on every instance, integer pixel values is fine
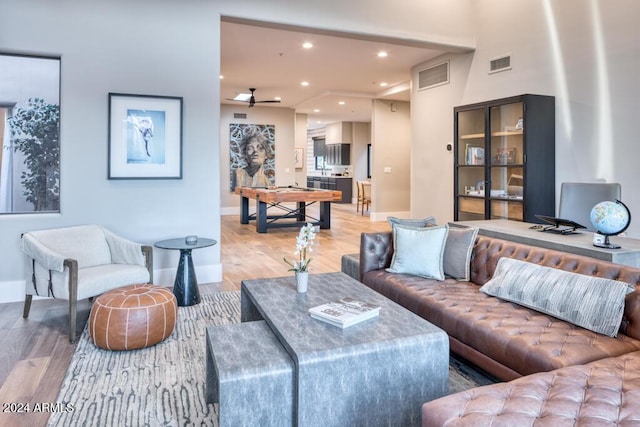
(299, 158)
(145, 137)
(252, 155)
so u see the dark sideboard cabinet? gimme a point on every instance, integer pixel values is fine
(504, 159)
(330, 183)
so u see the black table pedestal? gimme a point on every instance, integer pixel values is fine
(185, 287)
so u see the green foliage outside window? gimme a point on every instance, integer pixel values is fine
(35, 132)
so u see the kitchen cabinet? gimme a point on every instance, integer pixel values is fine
(504, 159)
(339, 133)
(333, 183)
(346, 186)
(338, 154)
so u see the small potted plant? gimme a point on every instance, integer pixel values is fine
(300, 266)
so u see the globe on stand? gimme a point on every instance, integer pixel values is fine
(610, 219)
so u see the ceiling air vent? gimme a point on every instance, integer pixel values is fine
(239, 115)
(433, 76)
(500, 64)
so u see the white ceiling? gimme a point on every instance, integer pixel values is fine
(337, 68)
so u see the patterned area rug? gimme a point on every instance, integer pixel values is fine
(164, 385)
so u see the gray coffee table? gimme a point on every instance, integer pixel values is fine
(378, 372)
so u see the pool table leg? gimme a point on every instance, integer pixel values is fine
(244, 210)
(302, 213)
(261, 217)
(325, 215)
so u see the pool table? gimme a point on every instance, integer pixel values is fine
(273, 199)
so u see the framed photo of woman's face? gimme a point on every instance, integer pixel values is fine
(251, 155)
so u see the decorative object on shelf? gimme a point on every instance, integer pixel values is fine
(304, 243)
(191, 240)
(505, 156)
(474, 155)
(610, 219)
(145, 137)
(520, 124)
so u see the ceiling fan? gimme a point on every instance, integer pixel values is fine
(252, 99)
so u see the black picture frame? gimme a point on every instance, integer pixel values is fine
(145, 136)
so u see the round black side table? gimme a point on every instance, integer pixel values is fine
(185, 287)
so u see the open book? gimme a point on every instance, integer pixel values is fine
(344, 312)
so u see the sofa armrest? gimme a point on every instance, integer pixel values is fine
(376, 251)
(44, 256)
(148, 257)
(124, 251)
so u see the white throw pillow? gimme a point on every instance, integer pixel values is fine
(429, 221)
(419, 251)
(593, 303)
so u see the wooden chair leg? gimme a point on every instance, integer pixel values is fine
(73, 316)
(72, 265)
(27, 305)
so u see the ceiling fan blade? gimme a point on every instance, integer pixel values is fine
(252, 99)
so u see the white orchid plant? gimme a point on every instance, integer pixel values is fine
(304, 243)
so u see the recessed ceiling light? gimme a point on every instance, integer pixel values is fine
(316, 110)
(307, 45)
(221, 77)
(277, 98)
(341, 102)
(304, 83)
(382, 54)
(383, 84)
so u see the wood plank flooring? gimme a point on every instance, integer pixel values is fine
(35, 353)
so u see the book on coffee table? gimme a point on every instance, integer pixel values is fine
(344, 312)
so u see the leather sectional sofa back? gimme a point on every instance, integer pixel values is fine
(376, 252)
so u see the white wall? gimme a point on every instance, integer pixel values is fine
(300, 175)
(432, 130)
(391, 142)
(585, 53)
(284, 120)
(361, 139)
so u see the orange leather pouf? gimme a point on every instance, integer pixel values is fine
(133, 317)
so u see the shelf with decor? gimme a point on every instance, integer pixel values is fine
(504, 159)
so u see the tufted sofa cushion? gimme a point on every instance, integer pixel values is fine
(503, 338)
(605, 392)
(488, 251)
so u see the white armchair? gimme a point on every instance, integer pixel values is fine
(75, 263)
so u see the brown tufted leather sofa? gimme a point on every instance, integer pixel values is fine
(507, 340)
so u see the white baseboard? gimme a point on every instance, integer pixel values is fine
(382, 216)
(13, 291)
(231, 210)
